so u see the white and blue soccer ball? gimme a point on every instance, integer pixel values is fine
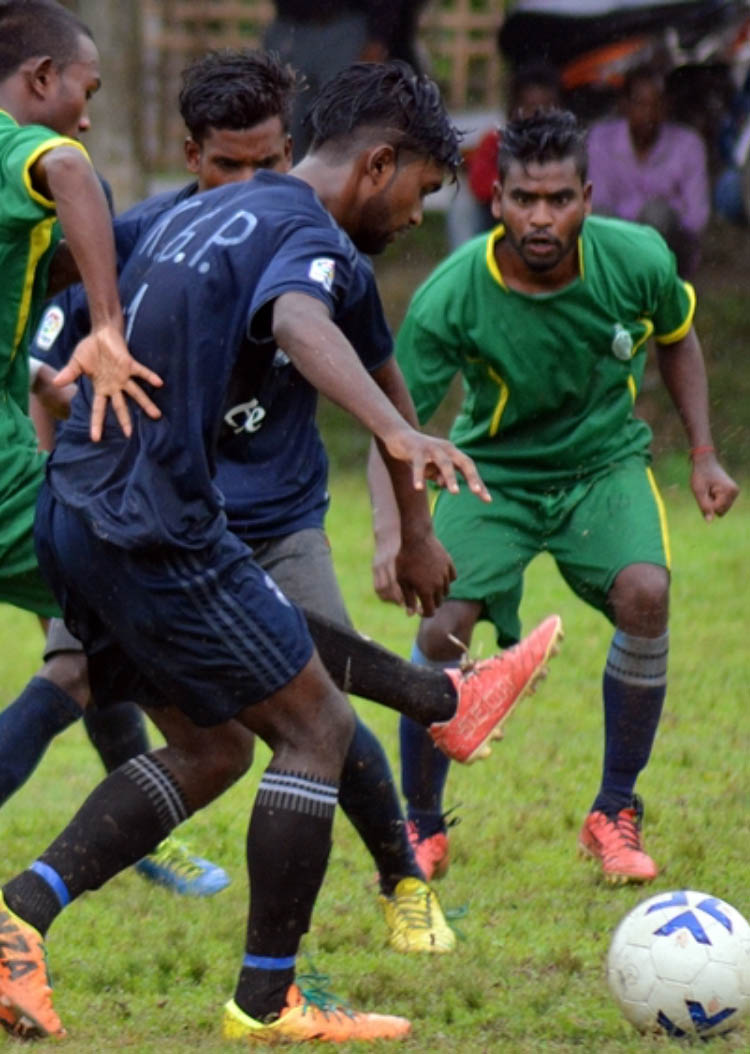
(679, 964)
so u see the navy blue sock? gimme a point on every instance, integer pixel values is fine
(118, 732)
(424, 768)
(635, 683)
(27, 727)
(368, 797)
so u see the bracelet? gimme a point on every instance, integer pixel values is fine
(708, 449)
(35, 366)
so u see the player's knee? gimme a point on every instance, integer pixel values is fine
(454, 621)
(640, 599)
(69, 671)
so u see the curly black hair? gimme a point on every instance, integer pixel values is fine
(404, 106)
(235, 89)
(548, 135)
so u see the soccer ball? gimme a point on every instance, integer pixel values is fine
(679, 963)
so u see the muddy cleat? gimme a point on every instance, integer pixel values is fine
(616, 841)
(25, 993)
(172, 865)
(432, 853)
(311, 1015)
(415, 919)
(489, 690)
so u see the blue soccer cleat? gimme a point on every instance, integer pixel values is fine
(173, 866)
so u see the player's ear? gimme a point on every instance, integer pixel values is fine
(38, 73)
(381, 163)
(587, 198)
(495, 206)
(192, 154)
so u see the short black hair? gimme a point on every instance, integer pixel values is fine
(36, 29)
(533, 75)
(235, 89)
(402, 105)
(644, 73)
(549, 135)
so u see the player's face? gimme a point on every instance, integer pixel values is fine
(543, 207)
(69, 91)
(396, 205)
(229, 155)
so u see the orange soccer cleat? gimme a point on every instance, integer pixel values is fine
(489, 690)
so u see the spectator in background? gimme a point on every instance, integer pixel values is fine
(320, 37)
(531, 88)
(645, 168)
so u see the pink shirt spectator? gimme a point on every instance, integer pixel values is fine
(674, 170)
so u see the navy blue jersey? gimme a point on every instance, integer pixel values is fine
(197, 291)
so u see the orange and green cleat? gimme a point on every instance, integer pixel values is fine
(615, 841)
(312, 1014)
(25, 993)
(415, 919)
(488, 691)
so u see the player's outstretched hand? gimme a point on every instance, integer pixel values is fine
(435, 459)
(713, 488)
(103, 356)
(424, 572)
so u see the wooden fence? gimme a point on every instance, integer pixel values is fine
(458, 38)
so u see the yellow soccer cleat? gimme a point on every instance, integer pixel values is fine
(415, 919)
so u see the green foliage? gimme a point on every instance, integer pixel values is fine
(137, 969)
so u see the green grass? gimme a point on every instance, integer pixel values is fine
(137, 969)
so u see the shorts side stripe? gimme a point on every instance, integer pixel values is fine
(662, 518)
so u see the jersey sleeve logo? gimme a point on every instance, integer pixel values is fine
(50, 327)
(323, 270)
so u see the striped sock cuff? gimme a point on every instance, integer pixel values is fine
(297, 793)
(638, 660)
(53, 880)
(266, 962)
(159, 785)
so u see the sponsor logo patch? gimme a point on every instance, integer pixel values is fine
(323, 270)
(50, 326)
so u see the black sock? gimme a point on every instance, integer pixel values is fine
(121, 821)
(288, 843)
(118, 732)
(360, 666)
(368, 797)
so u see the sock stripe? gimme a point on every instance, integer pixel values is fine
(285, 790)
(53, 880)
(264, 962)
(160, 787)
(640, 661)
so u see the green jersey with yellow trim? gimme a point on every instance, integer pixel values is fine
(549, 379)
(29, 233)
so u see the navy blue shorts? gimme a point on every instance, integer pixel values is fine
(207, 631)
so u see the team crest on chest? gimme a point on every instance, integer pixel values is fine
(622, 343)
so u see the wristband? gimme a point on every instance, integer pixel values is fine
(696, 450)
(35, 366)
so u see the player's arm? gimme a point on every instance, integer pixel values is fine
(415, 556)
(683, 371)
(302, 326)
(65, 176)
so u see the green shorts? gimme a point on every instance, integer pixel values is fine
(593, 529)
(21, 583)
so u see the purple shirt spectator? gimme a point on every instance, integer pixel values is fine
(674, 170)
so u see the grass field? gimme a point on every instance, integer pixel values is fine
(137, 969)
